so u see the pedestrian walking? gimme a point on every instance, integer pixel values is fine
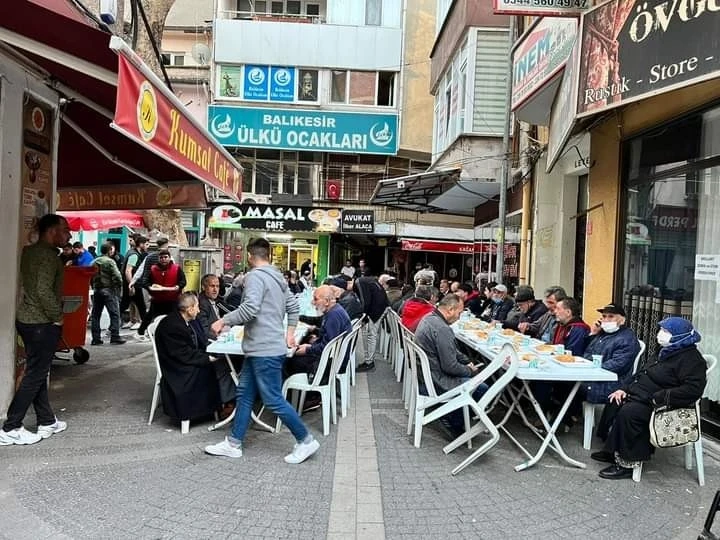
(39, 322)
(266, 302)
(107, 288)
(166, 282)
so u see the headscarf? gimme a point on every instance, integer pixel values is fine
(683, 333)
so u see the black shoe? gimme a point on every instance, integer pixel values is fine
(118, 341)
(603, 456)
(449, 432)
(96, 342)
(365, 367)
(615, 472)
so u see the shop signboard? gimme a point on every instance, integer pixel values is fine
(436, 246)
(282, 83)
(357, 222)
(264, 217)
(674, 218)
(304, 130)
(255, 83)
(135, 196)
(562, 113)
(540, 55)
(542, 8)
(633, 49)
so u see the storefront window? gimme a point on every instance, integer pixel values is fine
(672, 193)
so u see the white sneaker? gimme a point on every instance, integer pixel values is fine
(135, 326)
(140, 337)
(57, 427)
(302, 451)
(224, 448)
(18, 436)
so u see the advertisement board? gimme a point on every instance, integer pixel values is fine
(562, 113)
(304, 130)
(539, 55)
(275, 218)
(357, 222)
(256, 83)
(633, 49)
(542, 8)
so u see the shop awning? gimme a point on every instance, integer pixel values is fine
(416, 192)
(103, 220)
(437, 246)
(73, 55)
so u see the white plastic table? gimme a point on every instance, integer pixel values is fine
(550, 371)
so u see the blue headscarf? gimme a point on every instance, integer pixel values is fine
(683, 335)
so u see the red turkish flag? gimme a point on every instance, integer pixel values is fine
(333, 188)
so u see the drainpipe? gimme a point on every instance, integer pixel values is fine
(502, 204)
(524, 173)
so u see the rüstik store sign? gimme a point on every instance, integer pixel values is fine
(540, 8)
(357, 222)
(633, 49)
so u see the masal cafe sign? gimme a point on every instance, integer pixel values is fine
(145, 114)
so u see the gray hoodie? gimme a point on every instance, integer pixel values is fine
(266, 299)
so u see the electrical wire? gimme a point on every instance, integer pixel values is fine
(154, 44)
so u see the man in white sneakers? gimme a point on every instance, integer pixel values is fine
(266, 301)
(39, 322)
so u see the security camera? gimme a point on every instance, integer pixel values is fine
(401, 184)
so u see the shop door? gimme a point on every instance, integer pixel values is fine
(580, 238)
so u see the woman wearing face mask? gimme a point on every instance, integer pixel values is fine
(618, 346)
(676, 379)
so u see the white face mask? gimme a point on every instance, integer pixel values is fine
(610, 327)
(663, 338)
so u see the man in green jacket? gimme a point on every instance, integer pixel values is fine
(107, 288)
(39, 322)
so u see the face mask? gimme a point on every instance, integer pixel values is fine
(497, 300)
(610, 327)
(663, 338)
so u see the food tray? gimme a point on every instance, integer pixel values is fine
(578, 363)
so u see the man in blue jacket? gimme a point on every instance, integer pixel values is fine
(618, 346)
(335, 321)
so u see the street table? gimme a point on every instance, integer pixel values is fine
(549, 370)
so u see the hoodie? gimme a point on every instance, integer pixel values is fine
(266, 300)
(413, 311)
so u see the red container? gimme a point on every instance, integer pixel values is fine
(76, 293)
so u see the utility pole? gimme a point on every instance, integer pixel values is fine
(505, 171)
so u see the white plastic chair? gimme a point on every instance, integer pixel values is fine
(589, 408)
(301, 383)
(352, 365)
(697, 446)
(461, 396)
(152, 328)
(419, 402)
(406, 336)
(347, 347)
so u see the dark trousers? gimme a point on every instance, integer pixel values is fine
(126, 298)
(139, 300)
(156, 308)
(105, 299)
(40, 341)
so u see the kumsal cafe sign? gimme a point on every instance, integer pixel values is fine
(304, 130)
(633, 49)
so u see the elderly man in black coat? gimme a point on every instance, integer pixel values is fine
(189, 386)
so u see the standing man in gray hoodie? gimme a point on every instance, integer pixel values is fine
(266, 300)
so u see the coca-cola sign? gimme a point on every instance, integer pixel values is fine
(632, 49)
(437, 246)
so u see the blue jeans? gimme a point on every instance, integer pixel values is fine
(105, 298)
(263, 375)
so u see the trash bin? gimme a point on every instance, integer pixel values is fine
(75, 299)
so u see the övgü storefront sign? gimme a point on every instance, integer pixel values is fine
(145, 114)
(275, 218)
(358, 222)
(304, 130)
(540, 55)
(133, 196)
(542, 8)
(632, 49)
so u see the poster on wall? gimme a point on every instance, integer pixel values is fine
(36, 166)
(230, 81)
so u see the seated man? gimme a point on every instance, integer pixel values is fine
(471, 298)
(571, 330)
(530, 309)
(209, 303)
(501, 305)
(335, 321)
(346, 297)
(417, 306)
(618, 346)
(189, 385)
(448, 366)
(544, 327)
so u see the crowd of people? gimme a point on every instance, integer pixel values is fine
(265, 302)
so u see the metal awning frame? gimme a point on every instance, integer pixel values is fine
(415, 192)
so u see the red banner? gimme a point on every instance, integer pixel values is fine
(102, 220)
(145, 113)
(437, 246)
(141, 196)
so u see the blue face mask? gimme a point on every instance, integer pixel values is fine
(497, 300)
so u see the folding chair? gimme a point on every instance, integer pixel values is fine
(347, 347)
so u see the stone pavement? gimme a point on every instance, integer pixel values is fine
(110, 475)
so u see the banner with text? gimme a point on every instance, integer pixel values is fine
(542, 8)
(632, 49)
(133, 197)
(357, 222)
(275, 218)
(304, 130)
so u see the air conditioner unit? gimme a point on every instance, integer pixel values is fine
(333, 189)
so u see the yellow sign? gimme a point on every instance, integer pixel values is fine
(192, 271)
(147, 111)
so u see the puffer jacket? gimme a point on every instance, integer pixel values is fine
(618, 350)
(413, 311)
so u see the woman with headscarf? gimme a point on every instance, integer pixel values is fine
(675, 379)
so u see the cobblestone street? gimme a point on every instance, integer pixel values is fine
(110, 475)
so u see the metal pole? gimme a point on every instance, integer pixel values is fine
(505, 171)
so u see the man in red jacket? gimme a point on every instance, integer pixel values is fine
(418, 305)
(167, 280)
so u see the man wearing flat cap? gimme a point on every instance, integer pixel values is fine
(501, 303)
(618, 345)
(530, 310)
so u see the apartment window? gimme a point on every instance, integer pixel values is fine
(307, 85)
(293, 7)
(338, 87)
(373, 12)
(462, 92)
(362, 87)
(268, 172)
(277, 8)
(386, 88)
(312, 10)
(173, 59)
